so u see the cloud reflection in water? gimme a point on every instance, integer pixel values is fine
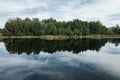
(64, 65)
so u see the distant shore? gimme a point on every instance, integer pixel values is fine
(60, 37)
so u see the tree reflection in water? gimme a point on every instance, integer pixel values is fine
(29, 46)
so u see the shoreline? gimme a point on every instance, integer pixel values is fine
(62, 37)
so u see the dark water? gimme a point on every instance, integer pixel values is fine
(83, 59)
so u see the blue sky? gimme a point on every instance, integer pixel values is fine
(107, 11)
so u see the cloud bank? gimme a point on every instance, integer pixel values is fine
(108, 11)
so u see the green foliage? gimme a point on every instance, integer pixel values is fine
(35, 27)
(0, 34)
(116, 29)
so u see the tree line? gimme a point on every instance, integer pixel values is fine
(35, 27)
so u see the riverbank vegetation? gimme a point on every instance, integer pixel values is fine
(61, 37)
(35, 27)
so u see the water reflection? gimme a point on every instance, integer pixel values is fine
(36, 45)
(58, 66)
(95, 59)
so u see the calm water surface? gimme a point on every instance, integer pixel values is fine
(83, 59)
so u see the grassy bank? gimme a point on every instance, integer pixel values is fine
(58, 37)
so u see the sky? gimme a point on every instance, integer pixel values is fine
(107, 11)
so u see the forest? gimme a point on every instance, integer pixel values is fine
(36, 27)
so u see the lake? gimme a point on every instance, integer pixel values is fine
(80, 59)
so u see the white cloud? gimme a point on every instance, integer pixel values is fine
(104, 10)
